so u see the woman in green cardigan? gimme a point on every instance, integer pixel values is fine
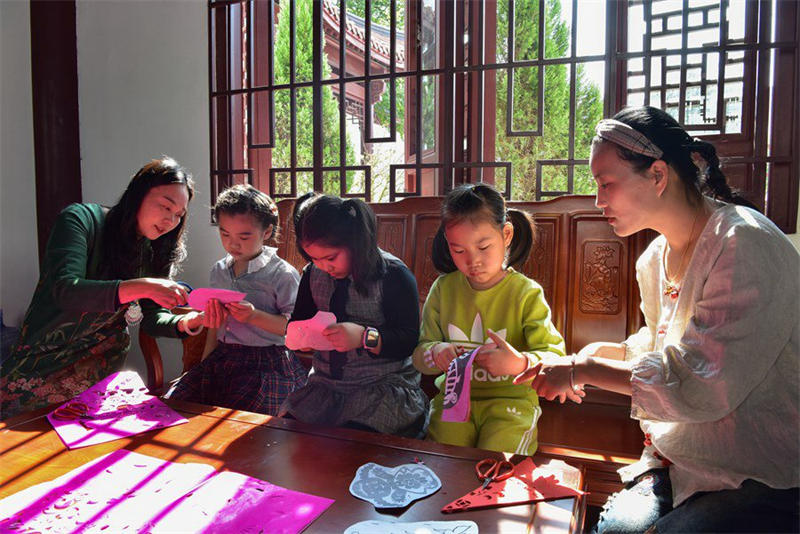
(103, 269)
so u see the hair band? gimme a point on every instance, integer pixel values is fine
(627, 137)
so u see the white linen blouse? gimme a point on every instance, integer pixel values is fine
(715, 380)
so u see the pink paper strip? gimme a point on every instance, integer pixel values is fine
(119, 407)
(129, 492)
(457, 388)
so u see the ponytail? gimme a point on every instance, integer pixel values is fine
(440, 253)
(522, 242)
(712, 180)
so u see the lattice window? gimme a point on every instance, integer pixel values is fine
(382, 99)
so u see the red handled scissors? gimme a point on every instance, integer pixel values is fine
(71, 411)
(490, 470)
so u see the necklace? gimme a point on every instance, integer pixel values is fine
(673, 289)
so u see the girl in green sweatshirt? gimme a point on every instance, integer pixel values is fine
(478, 302)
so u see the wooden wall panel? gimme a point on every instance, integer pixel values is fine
(587, 272)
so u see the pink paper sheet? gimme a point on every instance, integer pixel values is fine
(119, 407)
(307, 334)
(199, 297)
(457, 388)
(129, 492)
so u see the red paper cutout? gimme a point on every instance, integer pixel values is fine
(529, 484)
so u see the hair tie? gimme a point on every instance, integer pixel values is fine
(627, 137)
(349, 208)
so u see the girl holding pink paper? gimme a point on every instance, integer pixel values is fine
(479, 302)
(103, 269)
(246, 365)
(367, 381)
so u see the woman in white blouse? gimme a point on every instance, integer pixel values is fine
(713, 376)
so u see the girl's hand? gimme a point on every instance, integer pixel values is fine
(551, 379)
(165, 293)
(500, 358)
(344, 336)
(443, 354)
(215, 314)
(192, 322)
(242, 311)
(213, 317)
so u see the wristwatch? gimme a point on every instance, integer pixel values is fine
(370, 338)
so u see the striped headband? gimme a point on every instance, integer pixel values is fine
(623, 135)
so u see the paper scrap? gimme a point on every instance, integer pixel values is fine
(128, 492)
(119, 406)
(307, 334)
(199, 297)
(417, 527)
(457, 388)
(394, 487)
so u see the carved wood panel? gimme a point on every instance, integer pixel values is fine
(287, 249)
(392, 236)
(541, 265)
(600, 277)
(599, 282)
(426, 226)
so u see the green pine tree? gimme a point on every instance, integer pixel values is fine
(524, 152)
(281, 154)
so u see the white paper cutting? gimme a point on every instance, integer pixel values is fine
(394, 487)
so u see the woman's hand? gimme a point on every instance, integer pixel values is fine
(344, 336)
(551, 379)
(242, 311)
(500, 358)
(444, 353)
(165, 293)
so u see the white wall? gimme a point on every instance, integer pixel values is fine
(19, 256)
(143, 83)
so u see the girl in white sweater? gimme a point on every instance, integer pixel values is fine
(713, 376)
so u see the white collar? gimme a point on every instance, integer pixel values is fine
(257, 263)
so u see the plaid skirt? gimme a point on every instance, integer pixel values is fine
(254, 379)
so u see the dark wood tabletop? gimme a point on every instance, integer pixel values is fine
(320, 461)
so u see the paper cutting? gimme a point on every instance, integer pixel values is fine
(457, 388)
(417, 527)
(529, 483)
(199, 297)
(118, 406)
(394, 487)
(307, 334)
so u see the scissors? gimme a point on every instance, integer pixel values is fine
(71, 411)
(490, 470)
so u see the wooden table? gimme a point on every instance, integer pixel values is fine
(320, 461)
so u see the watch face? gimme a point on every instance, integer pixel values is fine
(371, 338)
